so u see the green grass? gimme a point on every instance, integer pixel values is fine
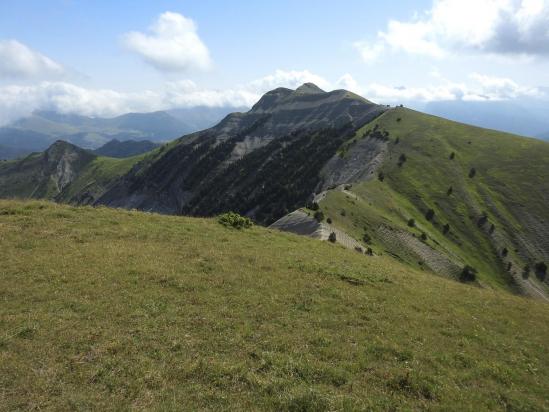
(31, 177)
(510, 185)
(99, 174)
(113, 310)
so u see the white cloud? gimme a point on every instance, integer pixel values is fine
(504, 27)
(347, 82)
(19, 61)
(172, 45)
(478, 88)
(482, 88)
(17, 101)
(290, 79)
(369, 51)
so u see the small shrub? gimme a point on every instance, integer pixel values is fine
(348, 187)
(526, 272)
(452, 156)
(482, 219)
(329, 221)
(380, 176)
(366, 238)
(423, 236)
(332, 238)
(411, 222)
(314, 206)
(541, 270)
(232, 219)
(509, 266)
(492, 228)
(449, 191)
(472, 172)
(369, 251)
(399, 119)
(430, 215)
(504, 252)
(397, 140)
(343, 212)
(446, 228)
(319, 216)
(468, 274)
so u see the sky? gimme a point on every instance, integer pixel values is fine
(105, 58)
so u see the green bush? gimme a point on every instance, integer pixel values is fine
(232, 219)
(319, 216)
(526, 272)
(411, 222)
(449, 191)
(314, 206)
(482, 220)
(430, 214)
(380, 176)
(468, 274)
(332, 238)
(541, 270)
(472, 172)
(423, 236)
(446, 228)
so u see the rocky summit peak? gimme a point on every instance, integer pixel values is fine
(309, 88)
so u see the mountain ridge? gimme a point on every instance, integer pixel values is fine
(435, 194)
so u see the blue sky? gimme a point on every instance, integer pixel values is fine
(146, 55)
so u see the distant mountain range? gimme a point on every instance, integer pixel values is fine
(525, 118)
(127, 148)
(38, 131)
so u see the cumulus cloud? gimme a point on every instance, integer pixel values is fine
(172, 44)
(19, 61)
(504, 27)
(17, 101)
(291, 79)
(478, 88)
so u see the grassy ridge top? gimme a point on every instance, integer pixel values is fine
(487, 190)
(111, 309)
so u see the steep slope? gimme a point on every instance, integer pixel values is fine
(63, 172)
(487, 193)
(263, 163)
(128, 148)
(175, 313)
(43, 175)
(434, 194)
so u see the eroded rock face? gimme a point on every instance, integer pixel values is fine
(263, 143)
(358, 164)
(63, 162)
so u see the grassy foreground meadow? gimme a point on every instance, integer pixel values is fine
(113, 310)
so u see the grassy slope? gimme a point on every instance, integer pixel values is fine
(110, 309)
(99, 174)
(510, 185)
(25, 178)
